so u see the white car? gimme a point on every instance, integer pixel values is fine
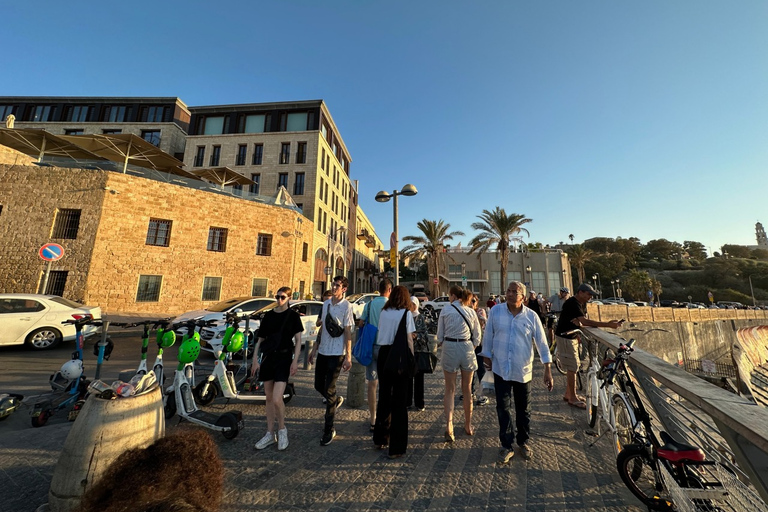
(438, 304)
(219, 310)
(36, 320)
(358, 301)
(307, 309)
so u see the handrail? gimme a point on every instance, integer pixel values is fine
(741, 422)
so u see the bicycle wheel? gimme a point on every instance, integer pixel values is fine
(638, 473)
(555, 359)
(592, 403)
(623, 424)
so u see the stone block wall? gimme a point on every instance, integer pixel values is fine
(110, 253)
(13, 157)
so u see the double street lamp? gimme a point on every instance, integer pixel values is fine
(382, 197)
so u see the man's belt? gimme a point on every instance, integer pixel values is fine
(453, 339)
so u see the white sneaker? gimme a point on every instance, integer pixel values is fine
(268, 439)
(282, 439)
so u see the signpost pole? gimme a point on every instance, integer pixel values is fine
(45, 277)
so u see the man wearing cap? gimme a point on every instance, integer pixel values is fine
(573, 316)
(556, 306)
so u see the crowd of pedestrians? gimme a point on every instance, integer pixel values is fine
(498, 339)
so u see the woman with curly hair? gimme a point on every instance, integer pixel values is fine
(162, 466)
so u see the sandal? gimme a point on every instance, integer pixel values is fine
(579, 404)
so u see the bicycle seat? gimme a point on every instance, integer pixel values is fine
(676, 451)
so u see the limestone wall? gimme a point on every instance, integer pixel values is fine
(110, 253)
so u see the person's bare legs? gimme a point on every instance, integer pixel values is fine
(450, 392)
(278, 390)
(466, 389)
(269, 386)
(372, 385)
(570, 386)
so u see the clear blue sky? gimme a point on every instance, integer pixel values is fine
(597, 118)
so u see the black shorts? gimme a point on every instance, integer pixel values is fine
(276, 366)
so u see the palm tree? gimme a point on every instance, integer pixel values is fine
(430, 245)
(496, 230)
(579, 257)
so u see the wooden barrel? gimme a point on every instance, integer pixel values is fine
(104, 429)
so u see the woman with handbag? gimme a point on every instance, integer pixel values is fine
(426, 360)
(395, 368)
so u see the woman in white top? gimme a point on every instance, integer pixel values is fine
(391, 427)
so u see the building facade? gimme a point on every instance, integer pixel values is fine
(544, 271)
(292, 144)
(133, 244)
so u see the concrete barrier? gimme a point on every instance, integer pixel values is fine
(356, 387)
(104, 429)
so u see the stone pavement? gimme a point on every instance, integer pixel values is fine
(564, 474)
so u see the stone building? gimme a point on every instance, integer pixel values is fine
(133, 244)
(294, 144)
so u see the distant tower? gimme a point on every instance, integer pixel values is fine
(762, 240)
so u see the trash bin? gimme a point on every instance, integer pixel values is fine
(104, 429)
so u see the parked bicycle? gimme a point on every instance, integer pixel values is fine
(644, 462)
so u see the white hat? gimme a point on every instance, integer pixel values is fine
(416, 303)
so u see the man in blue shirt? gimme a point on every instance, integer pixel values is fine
(508, 352)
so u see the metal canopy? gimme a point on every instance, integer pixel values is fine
(126, 148)
(222, 176)
(38, 143)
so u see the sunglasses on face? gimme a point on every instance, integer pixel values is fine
(281, 297)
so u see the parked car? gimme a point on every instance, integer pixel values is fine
(727, 304)
(438, 303)
(669, 304)
(421, 296)
(613, 300)
(307, 309)
(219, 310)
(358, 301)
(35, 320)
(641, 304)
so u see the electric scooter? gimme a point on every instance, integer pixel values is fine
(182, 401)
(69, 384)
(164, 338)
(227, 379)
(9, 402)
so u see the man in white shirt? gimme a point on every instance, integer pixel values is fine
(508, 352)
(333, 353)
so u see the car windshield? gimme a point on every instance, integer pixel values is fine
(354, 297)
(226, 304)
(65, 302)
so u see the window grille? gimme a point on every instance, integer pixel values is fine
(66, 224)
(159, 232)
(57, 281)
(217, 239)
(264, 245)
(212, 288)
(149, 288)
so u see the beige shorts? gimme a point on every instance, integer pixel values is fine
(458, 355)
(568, 354)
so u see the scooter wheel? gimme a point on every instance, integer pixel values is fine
(41, 419)
(170, 406)
(289, 392)
(228, 420)
(205, 392)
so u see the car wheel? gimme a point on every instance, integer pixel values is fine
(43, 338)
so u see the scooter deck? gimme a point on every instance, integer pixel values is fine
(206, 417)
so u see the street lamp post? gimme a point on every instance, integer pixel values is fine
(530, 276)
(383, 196)
(754, 302)
(594, 281)
(296, 235)
(618, 289)
(613, 285)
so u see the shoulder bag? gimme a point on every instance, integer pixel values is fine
(471, 336)
(331, 325)
(366, 337)
(400, 359)
(426, 360)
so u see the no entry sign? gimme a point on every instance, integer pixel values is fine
(51, 252)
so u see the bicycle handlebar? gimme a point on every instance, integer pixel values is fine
(79, 322)
(153, 323)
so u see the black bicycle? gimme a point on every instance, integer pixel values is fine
(651, 469)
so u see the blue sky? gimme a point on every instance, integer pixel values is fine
(596, 118)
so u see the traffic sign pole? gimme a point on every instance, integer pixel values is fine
(45, 277)
(49, 252)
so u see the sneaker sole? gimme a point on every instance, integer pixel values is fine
(264, 446)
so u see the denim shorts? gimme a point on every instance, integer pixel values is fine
(370, 370)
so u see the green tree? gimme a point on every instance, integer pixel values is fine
(430, 245)
(737, 251)
(579, 257)
(496, 231)
(760, 254)
(637, 283)
(695, 250)
(662, 249)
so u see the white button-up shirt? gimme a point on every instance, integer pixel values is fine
(508, 341)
